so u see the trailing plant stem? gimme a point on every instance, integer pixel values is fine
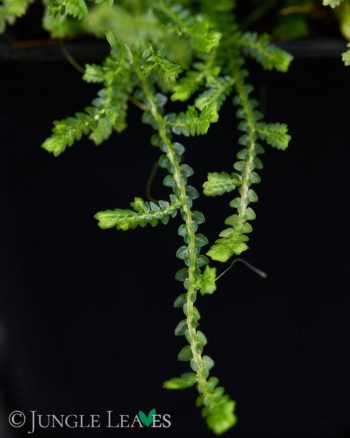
(185, 207)
(252, 139)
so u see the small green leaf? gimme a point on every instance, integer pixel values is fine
(185, 381)
(182, 274)
(221, 419)
(202, 338)
(208, 285)
(181, 328)
(180, 301)
(185, 354)
(182, 253)
(219, 183)
(275, 134)
(208, 362)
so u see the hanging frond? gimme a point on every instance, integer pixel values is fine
(268, 55)
(233, 240)
(106, 113)
(188, 50)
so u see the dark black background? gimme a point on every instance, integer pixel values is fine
(87, 316)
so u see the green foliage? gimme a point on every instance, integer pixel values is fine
(107, 111)
(191, 52)
(75, 8)
(185, 381)
(208, 281)
(332, 3)
(216, 93)
(233, 240)
(346, 57)
(191, 82)
(291, 27)
(192, 122)
(10, 10)
(221, 13)
(260, 48)
(275, 134)
(154, 62)
(143, 213)
(194, 27)
(220, 183)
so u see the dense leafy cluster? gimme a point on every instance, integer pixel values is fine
(192, 53)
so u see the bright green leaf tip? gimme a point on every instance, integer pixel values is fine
(208, 281)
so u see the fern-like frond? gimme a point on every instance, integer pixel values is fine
(185, 49)
(201, 73)
(65, 132)
(268, 55)
(143, 213)
(156, 63)
(217, 407)
(107, 111)
(192, 122)
(195, 28)
(214, 96)
(274, 134)
(233, 240)
(219, 183)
